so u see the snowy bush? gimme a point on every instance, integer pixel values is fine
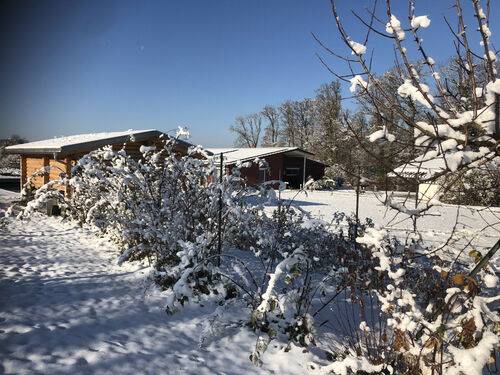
(324, 184)
(476, 187)
(9, 163)
(163, 207)
(151, 206)
(432, 304)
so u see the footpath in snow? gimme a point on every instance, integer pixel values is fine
(67, 308)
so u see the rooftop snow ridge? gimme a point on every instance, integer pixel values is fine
(82, 141)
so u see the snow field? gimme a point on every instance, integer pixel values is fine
(436, 226)
(66, 307)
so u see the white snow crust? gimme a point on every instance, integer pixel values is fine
(420, 21)
(77, 139)
(358, 48)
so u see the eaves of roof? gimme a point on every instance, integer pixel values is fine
(71, 148)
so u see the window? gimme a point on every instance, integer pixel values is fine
(292, 172)
(262, 175)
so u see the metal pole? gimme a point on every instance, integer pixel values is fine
(497, 117)
(219, 244)
(416, 205)
(304, 174)
(357, 205)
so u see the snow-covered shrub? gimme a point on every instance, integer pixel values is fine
(337, 174)
(300, 258)
(413, 314)
(476, 187)
(324, 183)
(37, 199)
(9, 163)
(435, 307)
(163, 207)
(150, 206)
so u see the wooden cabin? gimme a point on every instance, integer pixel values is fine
(291, 165)
(64, 152)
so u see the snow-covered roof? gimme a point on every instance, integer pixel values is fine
(421, 166)
(84, 141)
(233, 155)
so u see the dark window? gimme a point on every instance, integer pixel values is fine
(291, 172)
(262, 175)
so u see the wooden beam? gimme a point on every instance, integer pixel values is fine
(46, 175)
(67, 189)
(23, 166)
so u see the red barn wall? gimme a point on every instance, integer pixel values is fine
(277, 164)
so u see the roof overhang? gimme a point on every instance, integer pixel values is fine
(231, 154)
(25, 148)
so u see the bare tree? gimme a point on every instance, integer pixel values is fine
(464, 137)
(305, 118)
(10, 160)
(453, 120)
(298, 122)
(247, 130)
(289, 124)
(329, 127)
(272, 129)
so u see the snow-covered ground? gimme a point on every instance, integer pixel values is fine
(67, 307)
(477, 223)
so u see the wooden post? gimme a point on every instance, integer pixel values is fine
(357, 206)
(23, 170)
(416, 206)
(67, 170)
(46, 174)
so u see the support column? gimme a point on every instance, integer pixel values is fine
(67, 170)
(46, 175)
(23, 170)
(304, 174)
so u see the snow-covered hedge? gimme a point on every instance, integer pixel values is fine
(391, 305)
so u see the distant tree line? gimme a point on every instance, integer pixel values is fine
(336, 135)
(339, 137)
(10, 160)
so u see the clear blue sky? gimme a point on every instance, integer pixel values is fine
(69, 67)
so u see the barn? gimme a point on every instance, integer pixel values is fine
(64, 152)
(291, 165)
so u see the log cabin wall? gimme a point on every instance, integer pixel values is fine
(31, 163)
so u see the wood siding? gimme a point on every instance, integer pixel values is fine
(34, 164)
(31, 163)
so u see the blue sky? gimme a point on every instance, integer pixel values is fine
(69, 67)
